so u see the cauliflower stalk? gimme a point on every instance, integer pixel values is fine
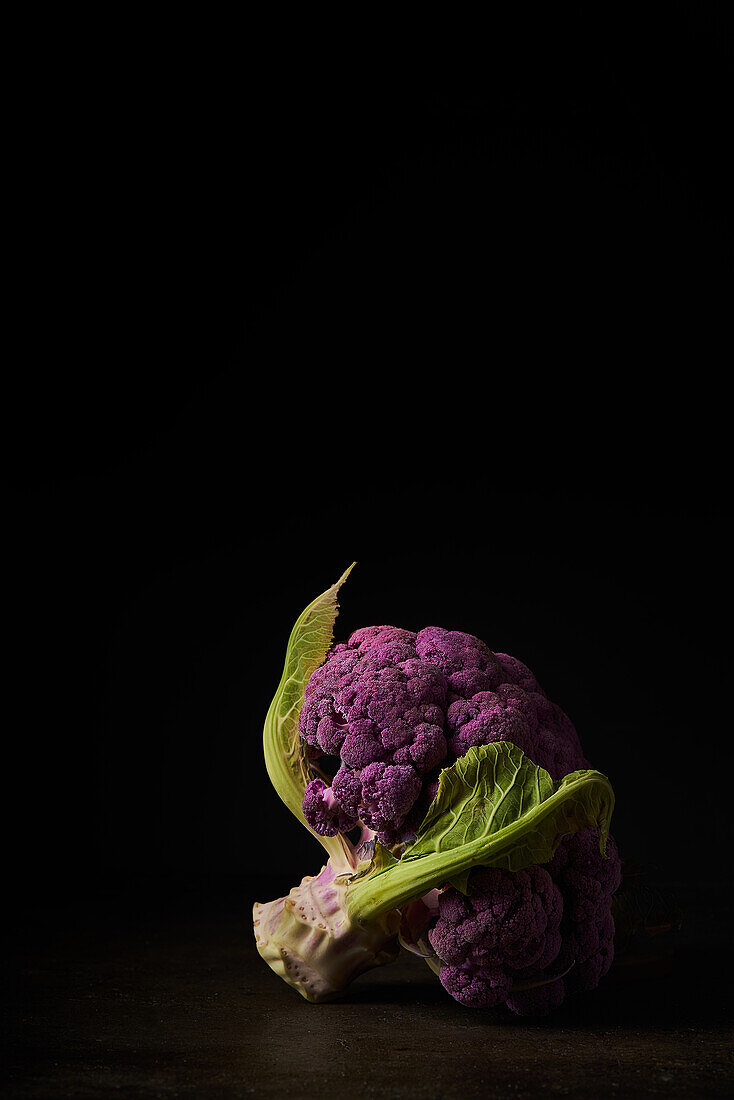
(482, 831)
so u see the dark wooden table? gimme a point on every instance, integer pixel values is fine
(146, 990)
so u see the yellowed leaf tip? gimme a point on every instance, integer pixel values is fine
(345, 574)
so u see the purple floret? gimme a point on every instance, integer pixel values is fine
(530, 927)
(476, 987)
(346, 787)
(388, 793)
(324, 812)
(588, 882)
(527, 719)
(374, 702)
(509, 923)
(494, 697)
(419, 701)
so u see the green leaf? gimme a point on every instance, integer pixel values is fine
(494, 808)
(489, 788)
(496, 789)
(285, 751)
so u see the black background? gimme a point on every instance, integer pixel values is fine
(453, 308)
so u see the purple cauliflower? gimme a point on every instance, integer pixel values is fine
(387, 719)
(395, 706)
(523, 929)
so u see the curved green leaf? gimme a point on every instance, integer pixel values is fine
(489, 788)
(494, 808)
(285, 751)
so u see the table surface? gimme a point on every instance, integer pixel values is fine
(160, 992)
